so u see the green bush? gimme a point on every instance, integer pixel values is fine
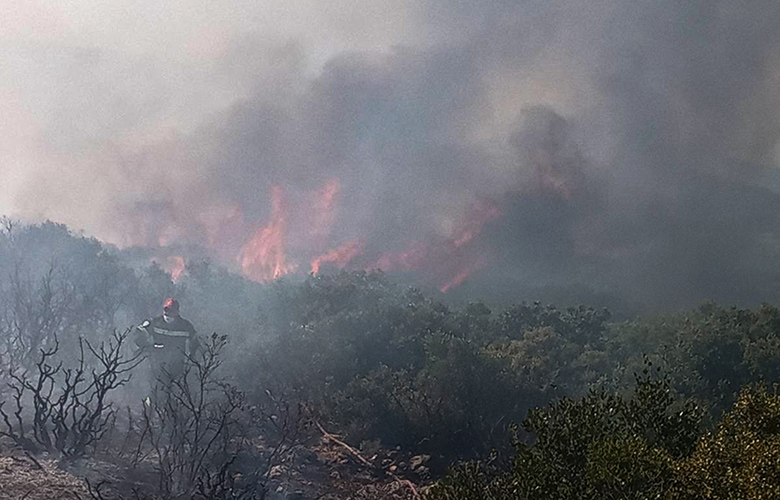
(644, 447)
(380, 362)
(740, 459)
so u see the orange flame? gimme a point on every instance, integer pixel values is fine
(481, 214)
(324, 207)
(339, 257)
(175, 266)
(459, 278)
(306, 234)
(263, 257)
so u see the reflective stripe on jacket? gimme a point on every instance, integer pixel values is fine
(176, 335)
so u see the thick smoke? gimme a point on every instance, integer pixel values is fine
(512, 150)
(693, 95)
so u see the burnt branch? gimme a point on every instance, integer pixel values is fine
(206, 440)
(68, 407)
(190, 423)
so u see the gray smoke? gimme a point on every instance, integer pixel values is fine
(630, 147)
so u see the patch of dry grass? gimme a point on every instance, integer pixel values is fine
(23, 478)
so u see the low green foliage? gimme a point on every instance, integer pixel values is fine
(386, 363)
(741, 457)
(379, 363)
(643, 447)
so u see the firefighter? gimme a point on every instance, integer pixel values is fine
(167, 341)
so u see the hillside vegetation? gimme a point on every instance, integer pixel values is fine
(526, 401)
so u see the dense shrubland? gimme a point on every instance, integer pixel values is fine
(645, 445)
(387, 366)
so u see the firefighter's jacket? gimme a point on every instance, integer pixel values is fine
(167, 344)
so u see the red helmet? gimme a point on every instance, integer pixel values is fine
(171, 305)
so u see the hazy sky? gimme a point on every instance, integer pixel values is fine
(627, 144)
(91, 86)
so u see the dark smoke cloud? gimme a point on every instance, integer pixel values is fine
(629, 147)
(692, 94)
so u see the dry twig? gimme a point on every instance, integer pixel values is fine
(331, 437)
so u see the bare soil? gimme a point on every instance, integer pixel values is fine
(323, 471)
